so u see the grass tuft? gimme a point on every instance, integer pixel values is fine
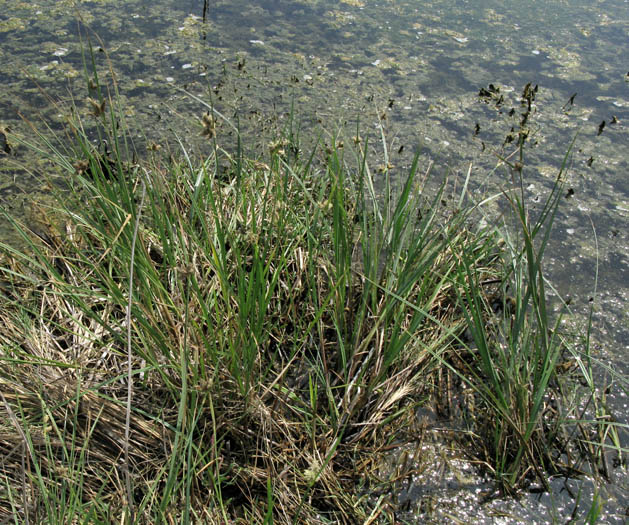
(240, 340)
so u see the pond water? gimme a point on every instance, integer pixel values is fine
(410, 68)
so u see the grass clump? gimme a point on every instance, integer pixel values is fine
(281, 323)
(241, 339)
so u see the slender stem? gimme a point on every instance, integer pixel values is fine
(129, 363)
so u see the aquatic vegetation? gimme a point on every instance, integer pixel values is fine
(412, 75)
(237, 338)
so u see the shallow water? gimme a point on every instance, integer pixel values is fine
(412, 68)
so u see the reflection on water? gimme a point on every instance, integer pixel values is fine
(418, 65)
